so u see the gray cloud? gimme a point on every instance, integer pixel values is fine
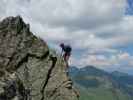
(84, 14)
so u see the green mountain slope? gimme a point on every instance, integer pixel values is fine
(96, 84)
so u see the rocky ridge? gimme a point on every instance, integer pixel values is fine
(28, 69)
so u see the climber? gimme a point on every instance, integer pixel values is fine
(66, 50)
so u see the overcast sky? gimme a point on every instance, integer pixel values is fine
(100, 31)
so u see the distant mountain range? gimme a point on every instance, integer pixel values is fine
(96, 84)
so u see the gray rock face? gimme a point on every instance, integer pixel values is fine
(28, 69)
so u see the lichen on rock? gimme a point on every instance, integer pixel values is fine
(38, 73)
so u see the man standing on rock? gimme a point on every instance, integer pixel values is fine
(67, 52)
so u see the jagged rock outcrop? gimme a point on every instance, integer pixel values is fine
(28, 69)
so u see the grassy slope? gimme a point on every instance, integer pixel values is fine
(95, 84)
(105, 90)
(101, 94)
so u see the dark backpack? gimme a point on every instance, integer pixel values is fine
(67, 49)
